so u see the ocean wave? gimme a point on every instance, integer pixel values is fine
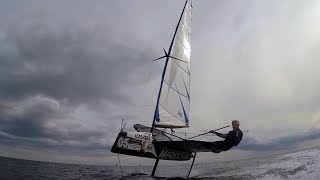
(299, 165)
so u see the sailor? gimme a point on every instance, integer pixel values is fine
(231, 139)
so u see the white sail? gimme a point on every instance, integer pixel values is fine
(174, 103)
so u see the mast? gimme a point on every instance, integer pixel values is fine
(156, 112)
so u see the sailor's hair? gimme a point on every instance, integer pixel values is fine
(236, 121)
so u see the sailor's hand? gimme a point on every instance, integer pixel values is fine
(214, 132)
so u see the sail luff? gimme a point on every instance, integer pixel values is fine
(156, 113)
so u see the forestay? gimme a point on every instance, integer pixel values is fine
(172, 110)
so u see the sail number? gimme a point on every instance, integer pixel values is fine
(123, 142)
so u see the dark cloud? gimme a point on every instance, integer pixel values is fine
(27, 118)
(44, 143)
(251, 143)
(53, 64)
(48, 70)
(66, 61)
(29, 123)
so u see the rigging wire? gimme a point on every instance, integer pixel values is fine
(207, 132)
(187, 133)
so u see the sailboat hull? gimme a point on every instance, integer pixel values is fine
(134, 146)
(141, 144)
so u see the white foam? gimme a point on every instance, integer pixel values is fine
(299, 165)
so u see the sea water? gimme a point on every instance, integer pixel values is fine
(298, 165)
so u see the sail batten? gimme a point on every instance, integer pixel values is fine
(186, 96)
(185, 86)
(182, 68)
(172, 114)
(173, 104)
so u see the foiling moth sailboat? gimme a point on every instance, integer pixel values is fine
(172, 107)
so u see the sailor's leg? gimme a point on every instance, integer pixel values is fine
(194, 157)
(155, 167)
(215, 147)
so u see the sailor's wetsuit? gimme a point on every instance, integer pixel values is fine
(233, 138)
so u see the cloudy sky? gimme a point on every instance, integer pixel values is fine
(70, 71)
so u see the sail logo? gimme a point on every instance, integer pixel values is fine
(169, 154)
